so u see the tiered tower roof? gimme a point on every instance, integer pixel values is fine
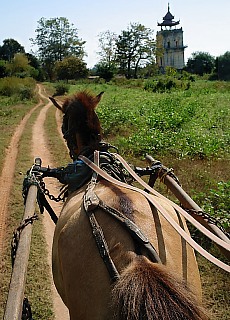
(168, 20)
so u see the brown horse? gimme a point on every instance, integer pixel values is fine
(144, 289)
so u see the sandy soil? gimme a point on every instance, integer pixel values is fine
(39, 149)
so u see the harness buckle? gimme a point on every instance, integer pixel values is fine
(90, 201)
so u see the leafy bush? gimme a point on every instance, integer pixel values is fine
(166, 84)
(106, 70)
(24, 88)
(61, 88)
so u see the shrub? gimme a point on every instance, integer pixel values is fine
(61, 89)
(24, 88)
(166, 84)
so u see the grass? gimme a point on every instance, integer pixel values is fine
(56, 145)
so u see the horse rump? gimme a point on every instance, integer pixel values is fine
(147, 291)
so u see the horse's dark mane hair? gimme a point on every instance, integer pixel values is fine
(147, 291)
(80, 111)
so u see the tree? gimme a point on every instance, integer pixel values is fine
(36, 70)
(3, 68)
(19, 66)
(133, 46)
(200, 63)
(223, 66)
(71, 68)
(9, 48)
(56, 39)
(107, 44)
(106, 70)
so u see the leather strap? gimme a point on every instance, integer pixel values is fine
(133, 229)
(102, 246)
(90, 203)
(175, 206)
(152, 200)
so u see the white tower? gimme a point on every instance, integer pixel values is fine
(170, 42)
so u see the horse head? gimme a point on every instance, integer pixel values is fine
(81, 126)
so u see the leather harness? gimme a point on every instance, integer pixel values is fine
(91, 202)
(97, 170)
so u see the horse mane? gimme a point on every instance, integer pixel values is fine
(85, 97)
(147, 291)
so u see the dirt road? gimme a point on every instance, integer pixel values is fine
(38, 149)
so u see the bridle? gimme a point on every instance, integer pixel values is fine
(69, 134)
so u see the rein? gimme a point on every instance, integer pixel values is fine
(153, 201)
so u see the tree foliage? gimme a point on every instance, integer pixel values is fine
(3, 71)
(71, 68)
(134, 46)
(107, 44)
(106, 70)
(223, 66)
(9, 48)
(20, 67)
(56, 39)
(18, 64)
(200, 63)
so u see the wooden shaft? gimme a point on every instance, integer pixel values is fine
(13, 310)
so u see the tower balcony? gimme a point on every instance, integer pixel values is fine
(178, 48)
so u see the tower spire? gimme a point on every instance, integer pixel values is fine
(170, 39)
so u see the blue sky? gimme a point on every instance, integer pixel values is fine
(205, 22)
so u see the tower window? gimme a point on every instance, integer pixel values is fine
(168, 44)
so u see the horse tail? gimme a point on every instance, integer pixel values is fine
(147, 291)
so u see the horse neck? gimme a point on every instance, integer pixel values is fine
(80, 144)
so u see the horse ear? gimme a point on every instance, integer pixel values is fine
(99, 96)
(56, 104)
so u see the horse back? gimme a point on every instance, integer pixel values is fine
(79, 272)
